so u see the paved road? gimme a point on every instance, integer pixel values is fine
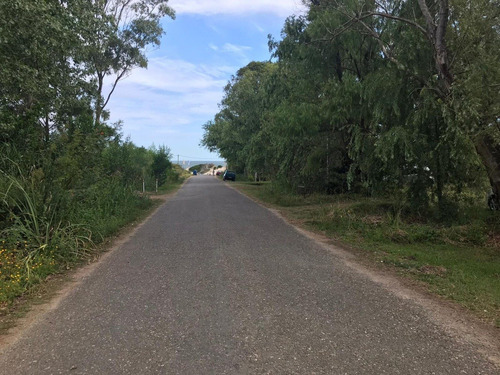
(215, 284)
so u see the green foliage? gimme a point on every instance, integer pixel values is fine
(176, 175)
(161, 164)
(53, 215)
(36, 241)
(356, 100)
(106, 206)
(67, 179)
(117, 34)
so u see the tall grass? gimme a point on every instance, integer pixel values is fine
(35, 241)
(46, 229)
(106, 206)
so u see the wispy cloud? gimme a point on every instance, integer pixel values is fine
(178, 76)
(168, 99)
(228, 47)
(280, 8)
(237, 50)
(259, 28)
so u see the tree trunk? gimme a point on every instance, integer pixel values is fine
(439, 170)
(98, 104)
(487, 148)
(489, 151)
(436, 33)
(46, 129)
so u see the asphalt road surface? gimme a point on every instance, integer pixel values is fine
(216, 284)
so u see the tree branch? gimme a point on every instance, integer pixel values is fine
(441, 27)
(118, 78)
(385, 51)
(429, 21)
(401, 19)
(120, 15)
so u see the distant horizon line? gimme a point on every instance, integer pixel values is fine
(195, 162)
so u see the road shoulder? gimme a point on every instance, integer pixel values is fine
(453, 318)
(46, 297)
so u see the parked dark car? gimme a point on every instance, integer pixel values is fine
(229, 175)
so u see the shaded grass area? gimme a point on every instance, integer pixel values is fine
(458, 259)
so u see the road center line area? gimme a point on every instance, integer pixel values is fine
(213, 283)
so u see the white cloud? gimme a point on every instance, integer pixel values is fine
(239, 51)
(170, 101)
(228, 47)
(281, 8)
(259, 28)
(178, 76)
(170, 98)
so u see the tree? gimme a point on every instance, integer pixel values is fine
(370, 96)
(120, 32)
(39, 81)
(240, 117)
(466, 31)
(161, 163)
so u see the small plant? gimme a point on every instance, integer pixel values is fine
(11, 273)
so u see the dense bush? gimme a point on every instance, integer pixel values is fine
(67, 178)
(355, 99)
(51, 217)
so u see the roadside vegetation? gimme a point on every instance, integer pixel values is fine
(43, 234)
(458, 259)
(378, 123)
(68, 178)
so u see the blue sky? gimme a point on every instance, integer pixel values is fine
(207, 43)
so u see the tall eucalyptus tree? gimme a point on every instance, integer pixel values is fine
(116, 40)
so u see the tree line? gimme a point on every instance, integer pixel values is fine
(372, 96)
(67, 175)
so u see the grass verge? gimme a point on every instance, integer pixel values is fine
(460, 262)
(18, 296)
